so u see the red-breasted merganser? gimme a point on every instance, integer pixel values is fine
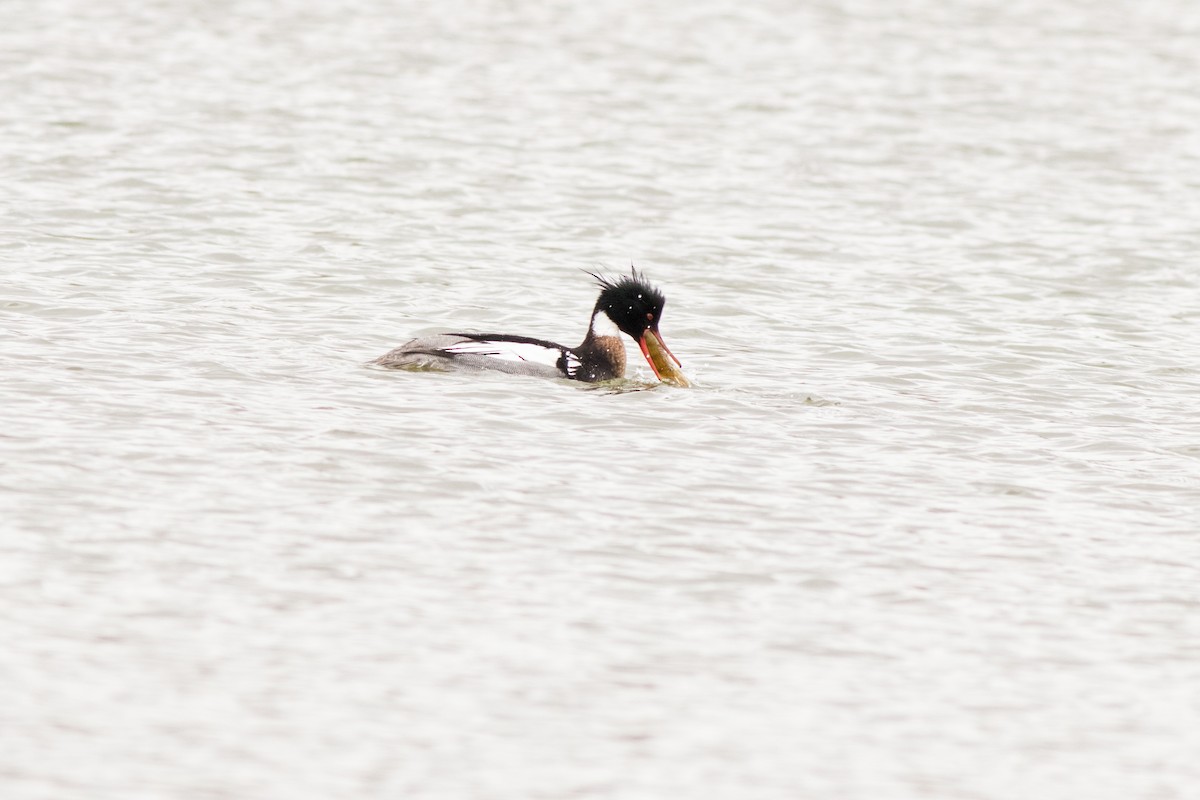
(628, 304)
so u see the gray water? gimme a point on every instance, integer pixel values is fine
(925, 527)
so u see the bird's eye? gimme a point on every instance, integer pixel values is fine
(649, 317)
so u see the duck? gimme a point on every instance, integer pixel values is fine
(626, 305)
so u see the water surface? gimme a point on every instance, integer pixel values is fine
(924, 528)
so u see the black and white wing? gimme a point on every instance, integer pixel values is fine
(515, 354)
(508, 348)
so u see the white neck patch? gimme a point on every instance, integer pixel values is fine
(603, 326)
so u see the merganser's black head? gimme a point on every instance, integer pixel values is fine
(635, 307)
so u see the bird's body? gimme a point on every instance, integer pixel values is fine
(628, 305)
